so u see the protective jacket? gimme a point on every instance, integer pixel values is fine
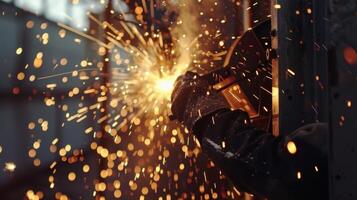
(289, 167)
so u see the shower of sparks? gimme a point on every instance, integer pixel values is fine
(139, 149)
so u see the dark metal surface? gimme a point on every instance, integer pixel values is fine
(344, 145)
(313, 36)
(303, 71)
(343, 123)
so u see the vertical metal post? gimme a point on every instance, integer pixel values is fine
(343, 84)
(246, 15)
(302, 54)
(275, 68)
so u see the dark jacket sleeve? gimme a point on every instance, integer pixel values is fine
(256, 161)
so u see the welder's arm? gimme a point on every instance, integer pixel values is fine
(205, 113)
(255, 161)
(264, 165)
(247, 154)
(245, 176)
(249, 157)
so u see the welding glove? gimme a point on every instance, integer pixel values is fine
(193, 98)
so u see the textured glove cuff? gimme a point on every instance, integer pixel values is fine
(203, 106)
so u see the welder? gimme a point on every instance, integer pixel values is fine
(291, 167)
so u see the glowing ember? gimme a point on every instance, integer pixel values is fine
(10, 166)
(350, 55)
(291, 147)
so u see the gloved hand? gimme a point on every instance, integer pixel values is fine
(193, 98)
